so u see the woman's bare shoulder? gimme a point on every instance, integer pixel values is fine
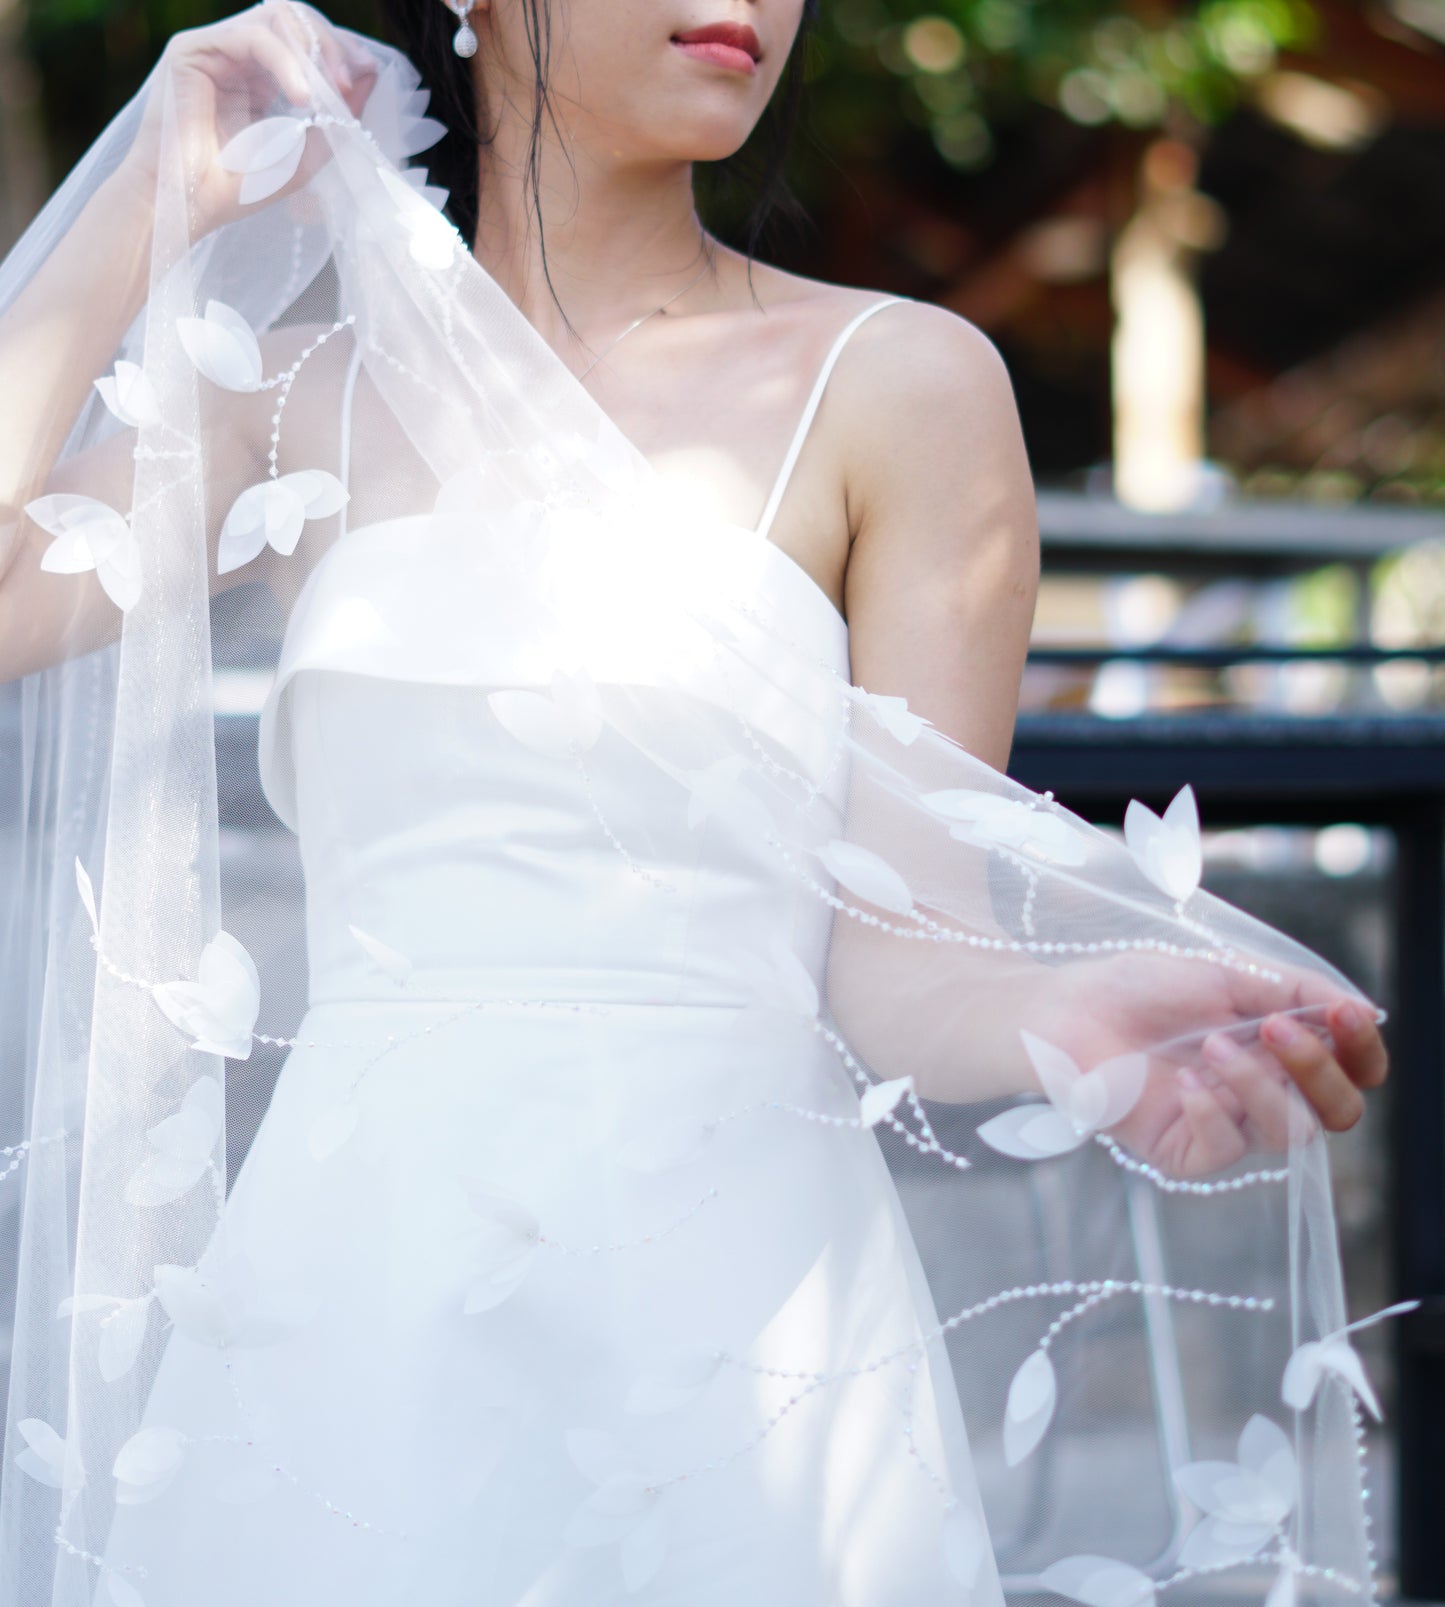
(911, 377)
(916, 376)
(917, 355)
(918, 352)
(780, 293)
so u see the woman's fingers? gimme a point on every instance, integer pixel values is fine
(1358, 1044)
(1315, 1071)
(239, 48)
(311, 36)
(308, 28)
(1214, 1141)
(234, 58)
(279, 41)
(1208, 1073)
(1359, 1057)
(227, 74)
(1259, 1085)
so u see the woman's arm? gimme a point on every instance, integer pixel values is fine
(56, 338)
(940, 590)
(944, 564)
(62, 331)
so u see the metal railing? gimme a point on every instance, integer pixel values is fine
(1367, 765)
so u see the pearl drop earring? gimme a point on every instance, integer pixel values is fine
(464, 41)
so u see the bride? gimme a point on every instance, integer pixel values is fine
(640, 629)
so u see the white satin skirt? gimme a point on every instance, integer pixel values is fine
(553, 1304)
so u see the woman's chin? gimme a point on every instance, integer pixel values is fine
(687, 130)
(701, 140)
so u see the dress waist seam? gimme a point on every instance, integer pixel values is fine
(502, 1002)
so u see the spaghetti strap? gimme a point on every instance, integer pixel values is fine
(348, 390)
(780, 485)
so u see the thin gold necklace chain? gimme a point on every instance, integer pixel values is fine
(636, 321)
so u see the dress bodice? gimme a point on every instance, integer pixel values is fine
(487, 866)
(491, 866)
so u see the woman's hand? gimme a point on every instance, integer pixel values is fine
(1235, 1048)
(227, 75)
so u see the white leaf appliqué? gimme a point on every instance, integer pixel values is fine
(218, 1010)
(421, 133)
(195, 1306)
(217, 1305)
(47, 1457)
(435, 195)
(881, 1098)
(1080, 1103)
(274, 513)
(129, 394)
(1168, 850)
(266, 154)
(867, 875)
(1032, 1397)
(223, 347)
(892, 713)
(122, 1330)
(1099, 1582)
(147, 1463)
(90, 535)
(183, 1143)
(504, 1247)
(431, 238)
(1031, 1132)
(1334, 1353)
(393, 116)
(72, 1305)
(994, 822)
(552, 723)
(621, 1510)
(672, 1385)
(393, 963)
(1244, 1502)
(1316, 1357)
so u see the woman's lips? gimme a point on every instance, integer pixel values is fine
(719, 54)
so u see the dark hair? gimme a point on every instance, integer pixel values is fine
(423, 30)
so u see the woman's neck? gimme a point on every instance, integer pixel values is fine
(620, 239)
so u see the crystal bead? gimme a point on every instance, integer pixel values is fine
(464, 41)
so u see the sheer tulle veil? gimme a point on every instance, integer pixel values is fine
(1013, 1001)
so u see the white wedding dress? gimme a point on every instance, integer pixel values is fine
(565, 1267)
(511, 1352)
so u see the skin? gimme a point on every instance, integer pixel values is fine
(911, 506)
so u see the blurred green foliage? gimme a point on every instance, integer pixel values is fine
(949, 67)
(1325, 607)
(959, 65)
